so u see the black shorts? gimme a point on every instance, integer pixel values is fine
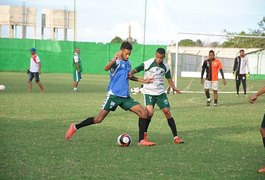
(34, 75)
(263, 122)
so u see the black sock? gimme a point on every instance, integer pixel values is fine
(147, 124)
(142, 123)
(87, 122)
(172, 126)
(263, 138)
(215, 101)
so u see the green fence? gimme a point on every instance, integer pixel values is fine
(56, 56)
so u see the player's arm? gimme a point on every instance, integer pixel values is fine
(77, 67)
(111, 63)
(136, 70)
(247, 64)
(223, 77)
(145, 81)
(255, 96)
(172, 85)
(39, 67)
(203, 70)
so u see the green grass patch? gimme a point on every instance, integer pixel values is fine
(220, 143)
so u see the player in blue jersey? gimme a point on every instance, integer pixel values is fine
(118, 95)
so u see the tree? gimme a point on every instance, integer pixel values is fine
(247, 42)
(199, 43)
(116, 39)
(187, 42)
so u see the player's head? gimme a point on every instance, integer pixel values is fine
(211, 55)
(242, 53)
(33, 51)
(126, 48)
(160, 55)
(77, 50)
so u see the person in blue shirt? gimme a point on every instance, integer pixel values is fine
(118, 94)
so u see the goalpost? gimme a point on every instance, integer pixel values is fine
(191, 49)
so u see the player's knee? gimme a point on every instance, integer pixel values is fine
(143, 114)
(262, 131)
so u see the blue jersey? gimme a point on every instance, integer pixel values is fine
(119, 82)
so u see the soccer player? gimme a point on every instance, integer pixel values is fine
(154, 93)
(77, 68)
(262, 129)
(212, 66)
(34, 70)
(118, 95)
(240, 69)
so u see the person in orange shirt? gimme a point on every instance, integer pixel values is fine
(212, 66)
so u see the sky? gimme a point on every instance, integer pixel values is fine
(102, 20)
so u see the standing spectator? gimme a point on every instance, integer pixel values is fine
(34, 70)
(240, 69)
(77, 68)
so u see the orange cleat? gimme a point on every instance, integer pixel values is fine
(178, 140)
(70, 132)
(145, 143)
(262, 170)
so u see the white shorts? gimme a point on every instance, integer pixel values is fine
(211, 84)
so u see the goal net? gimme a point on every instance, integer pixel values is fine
(187, 55)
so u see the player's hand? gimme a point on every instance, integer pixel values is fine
(202, 81)
(149, 80)
(252, 98)
(117, 55)
(224, 82)
(176, 90)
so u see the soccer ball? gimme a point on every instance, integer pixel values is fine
(124, 140)
(2, 87)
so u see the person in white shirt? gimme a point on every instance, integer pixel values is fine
(34, 70)
(240, 70)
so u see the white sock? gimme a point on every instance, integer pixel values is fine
(75, 89)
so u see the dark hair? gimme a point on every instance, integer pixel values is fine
(211, 51)
(126, 45)
(241, 50)
(161, 51)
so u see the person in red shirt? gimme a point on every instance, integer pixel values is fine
(212, 66)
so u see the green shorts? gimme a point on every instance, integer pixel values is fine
(112, 102)
(263, 122)
(77, 76)
(161, 100)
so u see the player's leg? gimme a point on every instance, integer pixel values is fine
(138, 109)
(31, 76)
(244, 82)
(238, 81)
(149, 102)
(215, 92)
(163, 104)
(207, 86)
(76, 80)
(37, 80)
(262, 132)
(110, 104)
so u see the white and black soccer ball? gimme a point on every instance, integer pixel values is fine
(2, 87)
(124, 140)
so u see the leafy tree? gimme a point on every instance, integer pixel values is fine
(116, 39)
(187, 42)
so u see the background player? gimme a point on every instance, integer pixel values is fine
(77, 69)
(262, 129)
(118, 95)
(154, 92)
(212, 66)
(34, 70)
(240, 69)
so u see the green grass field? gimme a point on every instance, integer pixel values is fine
(220, 143)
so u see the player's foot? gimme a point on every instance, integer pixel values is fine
(262, 170)
(75, 90)
(208, 102)
(215, 104)
(145, 143)
(237, 95)
(178, 140)
(70, 132)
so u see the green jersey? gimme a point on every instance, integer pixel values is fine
(76, 59)
(156, 71)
